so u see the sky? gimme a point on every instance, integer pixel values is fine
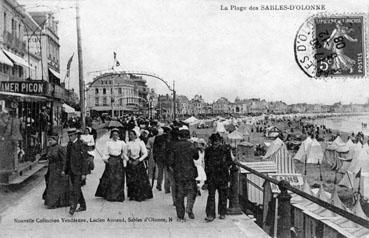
(205, 50)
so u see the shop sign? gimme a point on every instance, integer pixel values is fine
(25, 87)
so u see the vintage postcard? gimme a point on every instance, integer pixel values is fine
(184, 118)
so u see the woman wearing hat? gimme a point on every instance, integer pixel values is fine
(139, 188)
(56, 193)
(111, 185)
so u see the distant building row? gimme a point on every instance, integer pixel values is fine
(254, 106)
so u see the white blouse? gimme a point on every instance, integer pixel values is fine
(88, 139)
(201, 160)
(136, 150)
(115, 148)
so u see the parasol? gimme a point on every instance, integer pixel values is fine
(114, 124)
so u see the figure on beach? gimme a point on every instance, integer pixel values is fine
(336, 44)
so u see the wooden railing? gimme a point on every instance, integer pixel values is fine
(285, 206)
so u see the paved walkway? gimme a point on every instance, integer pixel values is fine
(152, 218)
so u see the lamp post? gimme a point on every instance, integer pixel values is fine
(80, 68)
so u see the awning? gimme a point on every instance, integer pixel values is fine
(23, 96)
(68, 109)
(5, 60)
(56, 74)
(16, 59)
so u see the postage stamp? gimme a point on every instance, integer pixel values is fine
(332, 46)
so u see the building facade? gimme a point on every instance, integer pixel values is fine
(44, 42)
(117, 94)
(184, 107)
(197, 105)
(13, 49)
(221, 106)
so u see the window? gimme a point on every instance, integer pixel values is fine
(13, 70)
(5, 23)
(104, 90)
(96, 101)
(20, 72)
(104, 101)
(96, 91)
(119, 91)
(111, 91)
(14, 28)
(19, 31)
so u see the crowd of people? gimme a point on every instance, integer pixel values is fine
(137, 154)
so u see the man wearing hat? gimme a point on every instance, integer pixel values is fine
(76, 167)
(160, 147)
(217, 162)
(181, 157)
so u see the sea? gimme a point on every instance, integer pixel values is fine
(348, 124)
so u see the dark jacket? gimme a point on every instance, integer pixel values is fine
(76, 159)
(181, 158)
(160, 148)
(217, 163)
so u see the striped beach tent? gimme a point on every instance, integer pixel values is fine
(278, 153)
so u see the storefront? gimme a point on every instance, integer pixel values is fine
(29, 112)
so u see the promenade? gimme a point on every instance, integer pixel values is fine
(152, 218)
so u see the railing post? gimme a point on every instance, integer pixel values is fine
(284, 210)
(234, 202)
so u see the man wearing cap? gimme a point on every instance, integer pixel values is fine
(217, 162)
(181, 157)
(76, 167)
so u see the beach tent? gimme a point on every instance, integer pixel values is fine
(235, 135)
(360, 162)
(301, 153)
(354, 150)
(351, 178)
(349, 143)
(220, 127)
(278, 153)
(312, 152)
(191, 120)
(336, 152)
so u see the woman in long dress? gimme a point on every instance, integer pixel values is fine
(111, 185)
(139, 188)
(56, 193)
(336, 43)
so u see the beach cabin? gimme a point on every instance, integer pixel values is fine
(278, 153)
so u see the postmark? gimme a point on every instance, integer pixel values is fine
(332, 46)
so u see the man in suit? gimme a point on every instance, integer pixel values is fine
(180, 160)
(76, 167)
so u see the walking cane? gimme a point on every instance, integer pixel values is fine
(98, 152)
(153, 176)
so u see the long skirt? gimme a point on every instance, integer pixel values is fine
(57, 189)
(111, 185)
(139, 188)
